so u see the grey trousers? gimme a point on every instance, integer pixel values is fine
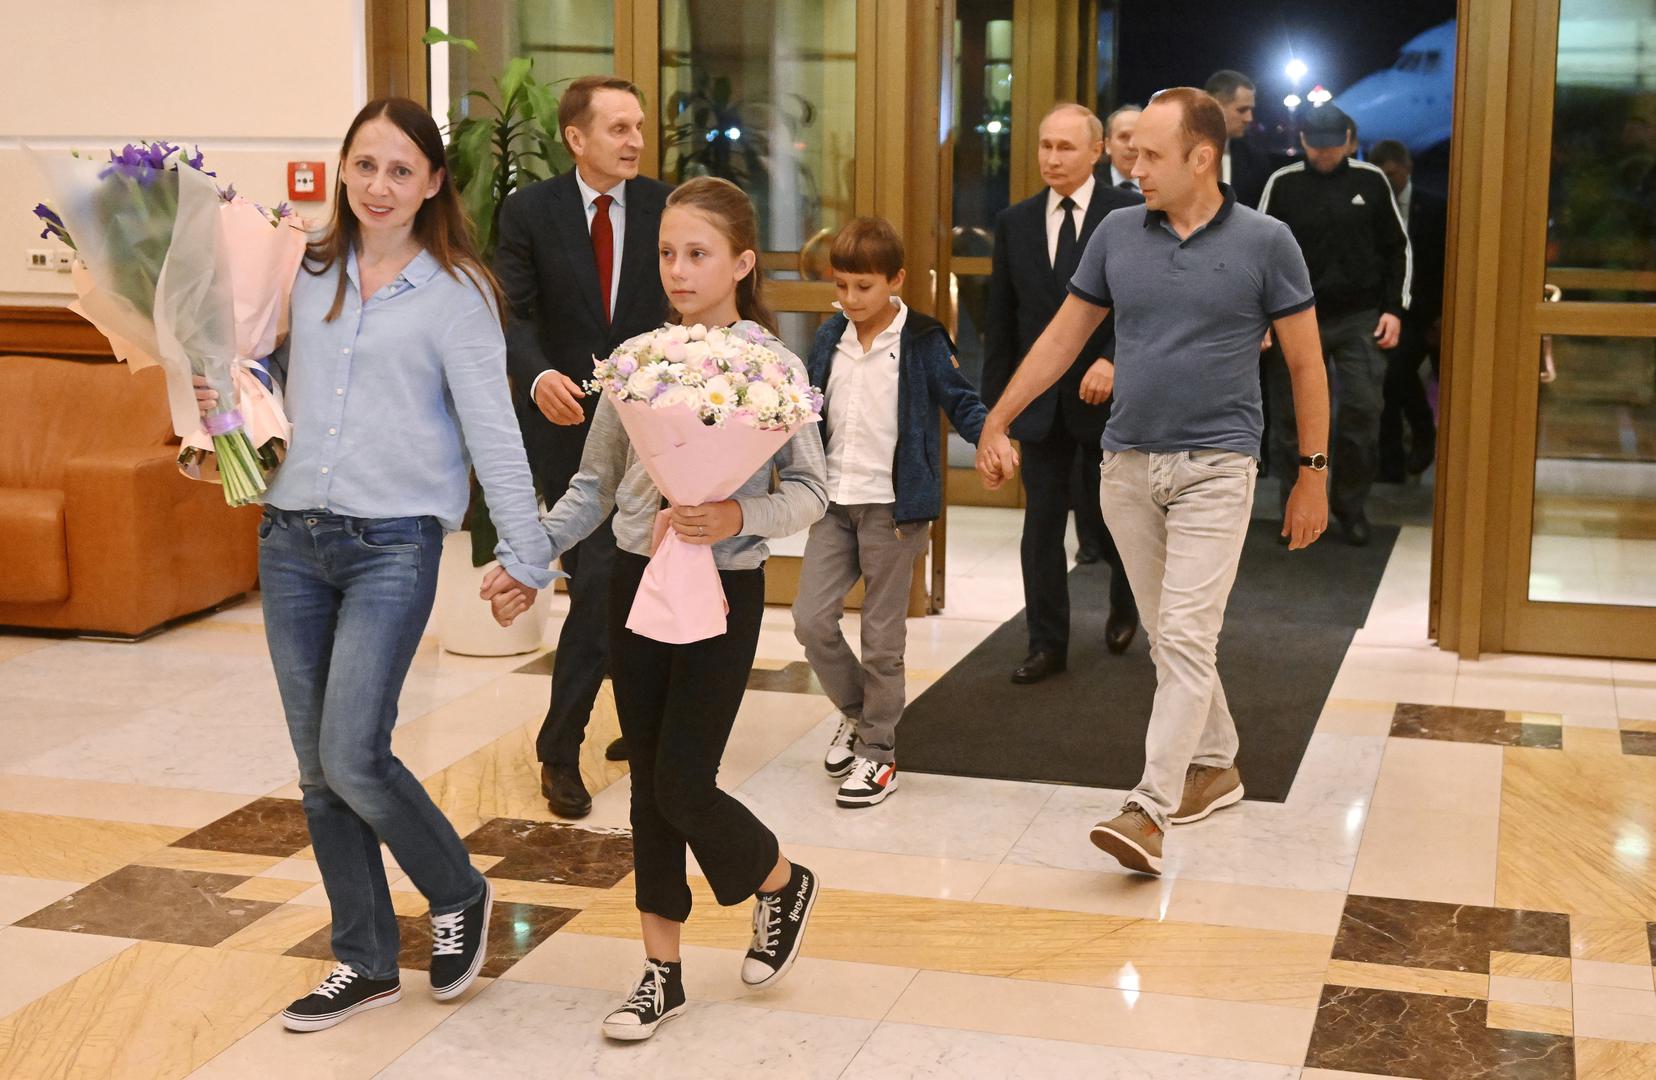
(1179, 520)
(1356, 384)
(847, 543)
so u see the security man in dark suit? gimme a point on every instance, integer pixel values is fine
(1038, 245)
(1425, 217)
(577, 259)
(1244, 165)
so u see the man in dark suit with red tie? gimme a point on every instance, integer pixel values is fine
(577, 258)
(1038, 245)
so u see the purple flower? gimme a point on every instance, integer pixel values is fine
(197, 161)
(626, 366)
(54, 224)
(284, 210)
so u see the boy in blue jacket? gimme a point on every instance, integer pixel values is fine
(885, 372)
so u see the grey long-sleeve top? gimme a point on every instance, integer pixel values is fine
(613, 477)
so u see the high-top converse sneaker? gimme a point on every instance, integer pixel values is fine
(837, 761)
(778, 927)
(658, 997)
(870, 782)
(337, 997)
(459, 943)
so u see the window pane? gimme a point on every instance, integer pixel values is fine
(1601, 235)
(982, 121)
(565, 38)
(763, 93)
(1595, 473)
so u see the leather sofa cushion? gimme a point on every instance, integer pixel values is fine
(35, 568)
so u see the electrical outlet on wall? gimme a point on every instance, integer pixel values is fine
(38, 258)
(62, 259)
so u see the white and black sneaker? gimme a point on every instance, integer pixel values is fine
(778, 927)
(837, 761)
(658, 997)
(869, 783)
(459, 944)
(337, 997)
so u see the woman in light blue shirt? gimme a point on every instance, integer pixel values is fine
(394, 376)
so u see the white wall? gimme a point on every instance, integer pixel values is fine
(255, 84)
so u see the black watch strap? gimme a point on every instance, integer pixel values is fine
(1319, 462)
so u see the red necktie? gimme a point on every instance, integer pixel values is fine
(603, 247)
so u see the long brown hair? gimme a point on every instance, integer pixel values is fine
(440, 225)
(731, 212)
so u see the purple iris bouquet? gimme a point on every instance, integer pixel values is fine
(178, 272)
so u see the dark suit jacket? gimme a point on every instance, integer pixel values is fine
(1428, 240)
(1251, 166)
(1024, 295)
(555, 317)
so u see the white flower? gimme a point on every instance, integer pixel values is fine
(763, 397)
(678, 395)
(643, 382)
(718, 394)
(698, 332)
(697, 350)
(677, 333)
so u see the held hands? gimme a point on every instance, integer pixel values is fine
(1307, 515)
(1099, 382)
(508, 598)
(1389, 330)
(708, 523)
(558, 398)
(996, 460)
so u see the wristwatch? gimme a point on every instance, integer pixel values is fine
(1317, 462)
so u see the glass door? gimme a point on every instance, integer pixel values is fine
(1582, 567)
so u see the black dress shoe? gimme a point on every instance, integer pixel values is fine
(616, 751)
(1119, 629)
(1422, 452)
(564, 791)
(1087, 556)
(1037, 667)
(1356, 530)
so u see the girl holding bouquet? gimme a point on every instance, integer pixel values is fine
(677, 702)
(395, 380)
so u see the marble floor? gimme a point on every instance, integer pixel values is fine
(1460, 884)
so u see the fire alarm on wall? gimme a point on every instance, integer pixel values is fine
(306, 181)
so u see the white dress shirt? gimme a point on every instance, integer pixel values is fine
(862, 416)
(1224, 164)
(1055, 216)
(618, 231)
(1117, 177)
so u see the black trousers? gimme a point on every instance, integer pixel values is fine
(583, 648)
(1049, 495)
(1405, 399)
(677, 704)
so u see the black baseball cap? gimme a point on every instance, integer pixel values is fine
(1325, 127)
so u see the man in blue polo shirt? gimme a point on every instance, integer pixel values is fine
(1195, 280)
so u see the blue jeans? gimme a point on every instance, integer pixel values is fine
(345, 602)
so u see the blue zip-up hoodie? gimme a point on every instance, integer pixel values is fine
(927, 380)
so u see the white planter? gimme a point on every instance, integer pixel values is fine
(464, 624)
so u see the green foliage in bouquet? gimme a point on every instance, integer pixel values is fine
(514, 143)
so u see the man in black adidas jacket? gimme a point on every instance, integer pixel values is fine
(1341, 213)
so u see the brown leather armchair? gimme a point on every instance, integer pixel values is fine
(99, 532)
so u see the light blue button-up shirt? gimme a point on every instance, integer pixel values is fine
(396, 399)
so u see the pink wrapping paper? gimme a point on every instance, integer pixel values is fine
(681, 598)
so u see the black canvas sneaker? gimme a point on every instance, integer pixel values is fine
(459, 943)
(778, 927)
(336, 998)
(658, 997)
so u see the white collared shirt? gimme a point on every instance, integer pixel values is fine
(1117, 177)
(618, 223)
(1225, 164)
(862, 415)
(618, 231)
(1054, 216)
(1403, 201)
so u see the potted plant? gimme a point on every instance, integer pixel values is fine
(511, 143)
